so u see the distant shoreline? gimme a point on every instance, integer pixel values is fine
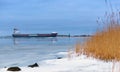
(74, 35)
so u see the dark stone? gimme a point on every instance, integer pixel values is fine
(33, 65)
(13, 69)
(59, 57)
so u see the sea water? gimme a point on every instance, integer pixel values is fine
(26, 51)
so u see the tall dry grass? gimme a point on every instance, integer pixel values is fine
(105, 43)
(78, 49)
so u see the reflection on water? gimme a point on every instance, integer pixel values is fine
(17, 41)
(44, 41)
(11, 41)
(37, 40)
(25, 51)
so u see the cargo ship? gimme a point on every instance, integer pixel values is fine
(17, 34)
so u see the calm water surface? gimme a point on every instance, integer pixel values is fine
(25, 51)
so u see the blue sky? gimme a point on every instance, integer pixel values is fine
(81, 13)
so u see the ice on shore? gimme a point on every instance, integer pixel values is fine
(75, 64)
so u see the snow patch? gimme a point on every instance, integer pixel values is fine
(76, 64)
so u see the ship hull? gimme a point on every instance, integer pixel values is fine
(35, 35)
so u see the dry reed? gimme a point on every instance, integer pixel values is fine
(104, 44)
(78, 49)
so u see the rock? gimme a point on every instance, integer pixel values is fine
(13, 69)
(33, 65)
(59, 57)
